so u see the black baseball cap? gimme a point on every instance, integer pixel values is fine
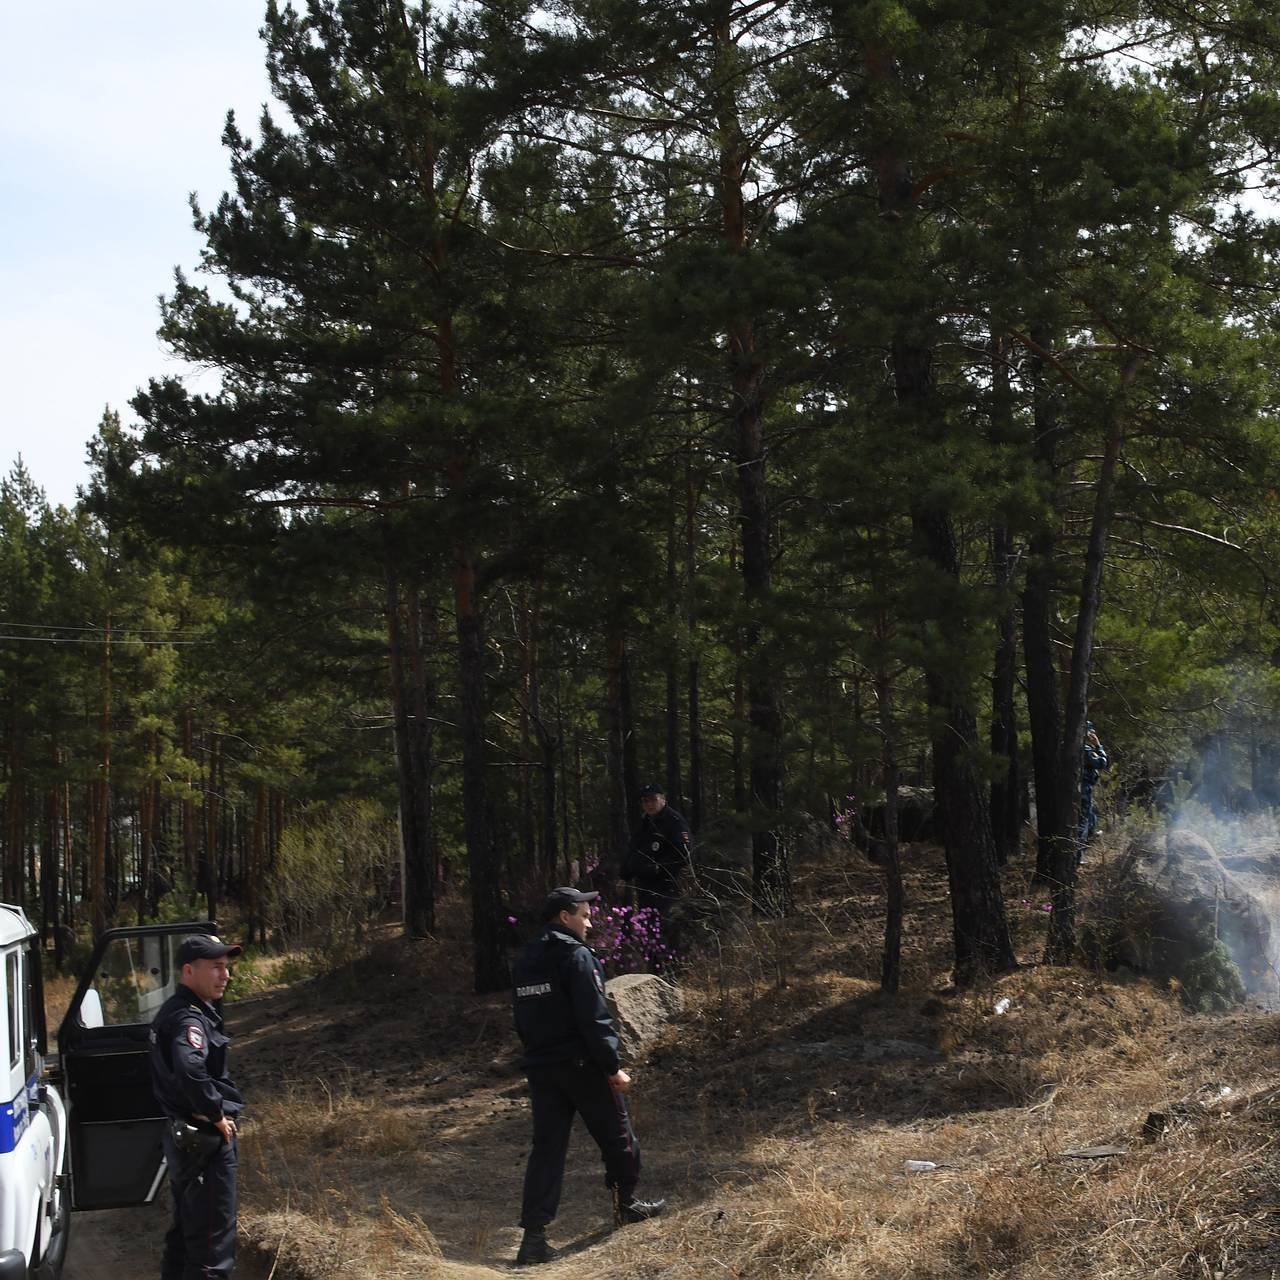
(204, 946)
(564, 899)
(652, 789)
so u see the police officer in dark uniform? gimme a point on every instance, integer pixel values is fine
(189, 1076)
(571, 1059)
(658, 852)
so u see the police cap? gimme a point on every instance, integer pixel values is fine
(652, 789)
(564, 899)
(204, 946)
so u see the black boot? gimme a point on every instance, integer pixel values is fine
(534, 1248)
(627, 1209)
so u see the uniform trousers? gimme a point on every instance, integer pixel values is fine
(557, 1092)
(201, 1241)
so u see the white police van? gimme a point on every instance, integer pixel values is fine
(79, 1129)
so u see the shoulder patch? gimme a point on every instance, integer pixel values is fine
(599, 981)
(195, 1037)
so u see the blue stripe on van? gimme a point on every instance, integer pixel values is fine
(15, 1116)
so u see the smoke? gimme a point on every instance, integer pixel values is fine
(1248, 847)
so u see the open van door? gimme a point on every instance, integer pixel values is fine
(114, 1121)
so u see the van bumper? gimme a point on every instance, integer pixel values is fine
(13, 1265)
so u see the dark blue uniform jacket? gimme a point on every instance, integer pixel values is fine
(189, 1060)
(561, 1014)
(658, 851)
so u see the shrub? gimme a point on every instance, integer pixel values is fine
(333, 876)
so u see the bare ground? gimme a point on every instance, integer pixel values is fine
(390, 1126)
(125, 1244)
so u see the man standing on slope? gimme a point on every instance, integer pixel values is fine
(571, 1059)
(1093, 763)
(191, 1084)
(659, 851)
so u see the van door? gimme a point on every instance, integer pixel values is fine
(114, 1122)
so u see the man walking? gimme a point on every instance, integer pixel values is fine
(191, 1084)
(571, 1059)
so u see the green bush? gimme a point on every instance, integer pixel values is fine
(1211, 983)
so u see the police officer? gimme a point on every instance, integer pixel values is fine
(571, 1059)
(658, 852)
(189, 1076)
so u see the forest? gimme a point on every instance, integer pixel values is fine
(795, 403)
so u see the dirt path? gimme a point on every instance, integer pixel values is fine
(125, 1244)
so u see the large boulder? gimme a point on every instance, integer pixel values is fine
(644, 1007)
(1171, 909)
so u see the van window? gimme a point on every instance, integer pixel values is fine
(134, 978)
(13, 990)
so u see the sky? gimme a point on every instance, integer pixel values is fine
(111, 114)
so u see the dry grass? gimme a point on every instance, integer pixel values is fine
(392, 1126)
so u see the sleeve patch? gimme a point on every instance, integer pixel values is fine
(599, 981)
(195, 1037)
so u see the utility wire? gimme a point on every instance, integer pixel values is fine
(141, 631)
(97, 640)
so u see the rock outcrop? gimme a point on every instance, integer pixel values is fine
(645, 1007)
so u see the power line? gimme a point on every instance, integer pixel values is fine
(140, 631)
(97, 640)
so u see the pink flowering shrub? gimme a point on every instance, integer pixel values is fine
(629, 939)
(845, 815)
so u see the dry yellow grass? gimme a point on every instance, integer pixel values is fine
(392, 1128)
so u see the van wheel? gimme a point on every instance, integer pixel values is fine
(50, 1266)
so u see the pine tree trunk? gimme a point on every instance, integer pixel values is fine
(419, 874)
(770, 868)
(696, 801)
(49, 860)
(980, 928)
(490, 959)
(1062, 868)
(528, 822)
(102, 803)
(979, 925)
(420, 906)
(146, 835)
(673, 664)
(207, 876)
(1044, 707)
(15, 804)
(546, 841)
(189, 801)
(630, 759)
(615, 730)
(254, 880)
(68, 866)
(895, 894)
(1006, 817)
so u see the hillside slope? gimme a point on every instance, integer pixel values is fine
(391, 1126)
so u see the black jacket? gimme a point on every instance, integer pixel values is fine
(1095, 761)
(189, 1060)
(658, 851)
(561, 1014)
